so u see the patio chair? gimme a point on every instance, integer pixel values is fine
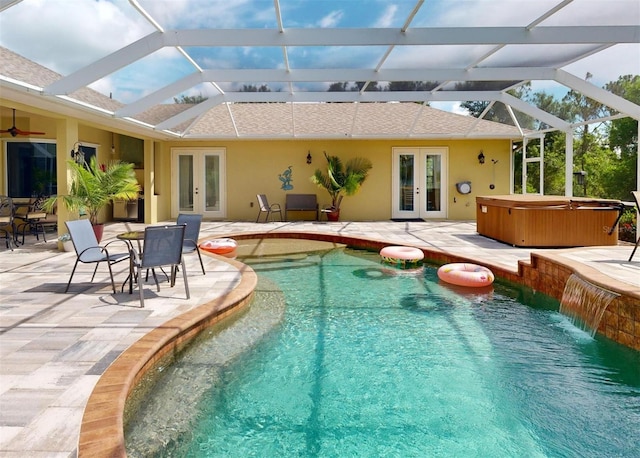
(89, 251)
(191, 235)
(264, 207)
(636, 196)
(162, 247)
(34, 218)
(7, 225)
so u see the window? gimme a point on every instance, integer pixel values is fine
(31, 169)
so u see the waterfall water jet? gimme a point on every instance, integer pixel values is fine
(585, 303)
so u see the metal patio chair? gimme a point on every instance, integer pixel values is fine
(89, 251)
(7, 225)
(191, 235)
(32, 218)
(162, 247)
(636, 196)
(264, 207)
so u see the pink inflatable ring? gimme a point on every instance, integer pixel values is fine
(219, 246)
(465, 274)
(402, 255)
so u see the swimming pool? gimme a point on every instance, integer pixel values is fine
(342, 356)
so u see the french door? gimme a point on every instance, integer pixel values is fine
(198, 182)
(419, 183)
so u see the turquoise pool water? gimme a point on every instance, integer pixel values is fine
(353, 358)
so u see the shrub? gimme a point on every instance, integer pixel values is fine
(628, 226)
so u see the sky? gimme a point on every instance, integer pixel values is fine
(65, 35)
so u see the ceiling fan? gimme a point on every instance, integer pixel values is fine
(15, 131)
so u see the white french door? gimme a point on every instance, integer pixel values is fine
(419, 183)
(198, 182)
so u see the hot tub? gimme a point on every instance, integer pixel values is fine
(548, 221)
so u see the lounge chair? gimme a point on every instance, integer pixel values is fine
(89, 251)
(191, 235)
(162, 247)
(264, 207)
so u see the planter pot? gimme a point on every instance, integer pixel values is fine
(67, 246)
(98, 229)
(333, 215)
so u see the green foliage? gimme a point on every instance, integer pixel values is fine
(191, 99)
(254, 88)
(94, 187)
(498, 111)
(606, 152)
(339, 179)
(628, 226)
(411, 86)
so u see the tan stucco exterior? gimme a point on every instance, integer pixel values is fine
(253, 166)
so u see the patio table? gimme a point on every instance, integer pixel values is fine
(130, 237)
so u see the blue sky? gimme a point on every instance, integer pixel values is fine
(65, 35)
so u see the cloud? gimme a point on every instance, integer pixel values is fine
(193, 14)
(331, 19)
(66, 35)
(451, 107)
(608, 65)
(71, 37)
(386, 19)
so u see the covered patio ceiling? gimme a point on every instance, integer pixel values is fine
(156, 51)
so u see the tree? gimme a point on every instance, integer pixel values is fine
(95, 186)
(498, 111)
(371, 87)
(254, 88)
(623, 140)
(339, 179)
(191, 99)
(411, 86)
(338, 87)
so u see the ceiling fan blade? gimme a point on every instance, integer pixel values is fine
(14, 131)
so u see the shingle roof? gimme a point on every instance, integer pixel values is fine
(284, 120)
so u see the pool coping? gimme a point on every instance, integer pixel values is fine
(102, 427)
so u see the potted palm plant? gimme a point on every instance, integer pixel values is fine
(340, 180)
(95, 186)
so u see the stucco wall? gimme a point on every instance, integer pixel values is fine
(254, 166)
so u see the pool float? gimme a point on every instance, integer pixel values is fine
(402, 255)
(219, 246)
(465, 274)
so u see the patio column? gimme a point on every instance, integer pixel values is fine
(568, 163)
(66, 138)
(150, 199)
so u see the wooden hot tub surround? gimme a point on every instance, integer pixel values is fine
(548, 221)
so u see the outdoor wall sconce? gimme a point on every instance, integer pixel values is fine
(309, 158)
(481, 157)
(76, 153)
(113, 145)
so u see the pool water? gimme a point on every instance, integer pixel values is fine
(343, 356)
